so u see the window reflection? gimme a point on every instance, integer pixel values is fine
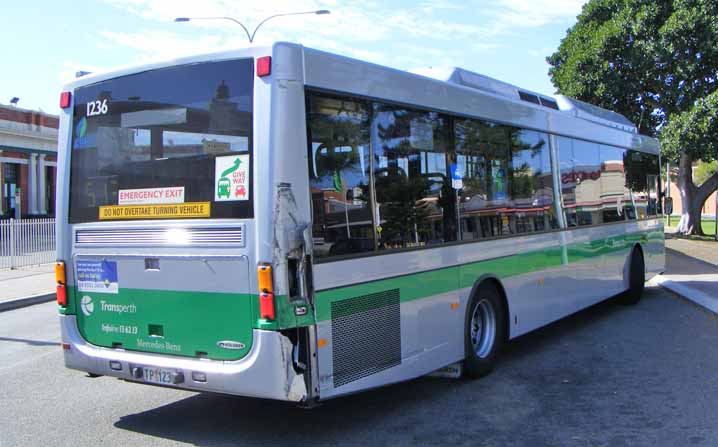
(616, 202)
(507, 183)
(435, 179)
(339, 176)
(415, 202)
(162, 128)
(642, 178)
(580, 165)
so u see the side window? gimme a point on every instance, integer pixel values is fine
(482, 154)
(616, 202)
(655, 207)
(415, 204)
(642, 178)
(507, 183)
(580, 167)
(339, 131)
(531, 182)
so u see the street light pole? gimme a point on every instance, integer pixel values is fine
(246, 31)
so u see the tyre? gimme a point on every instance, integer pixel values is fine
(636, 278)
(485, 330)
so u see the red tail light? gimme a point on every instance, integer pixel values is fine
(266, 306)
(65, 99)
(61, 295)
(264, 66)
(60, 281)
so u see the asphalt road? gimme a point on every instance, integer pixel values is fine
(610, 375)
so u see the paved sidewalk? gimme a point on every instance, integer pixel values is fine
(692, 271)
(26, 286)
(703, 250)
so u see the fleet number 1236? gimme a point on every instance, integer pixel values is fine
(97, 107)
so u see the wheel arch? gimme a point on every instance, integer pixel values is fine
(636, 247)
(490, 278)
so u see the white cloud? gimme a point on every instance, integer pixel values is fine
(531, 13)
(69, 69)
(366, 29)
(164, 45)
(541, 52)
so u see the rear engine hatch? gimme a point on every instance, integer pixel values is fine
(194, 306)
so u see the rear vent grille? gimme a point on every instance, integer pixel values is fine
(529, 97)
(538, 100)
(209, 236)
(366, 335)
(550, 103)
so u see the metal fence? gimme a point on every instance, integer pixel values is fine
(26, 242)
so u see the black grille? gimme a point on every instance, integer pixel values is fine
(366, 335)
(529, 97)
(550, 103)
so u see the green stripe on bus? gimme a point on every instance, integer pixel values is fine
(423, 284)
(444, 280)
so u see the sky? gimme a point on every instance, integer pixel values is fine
(45, 42)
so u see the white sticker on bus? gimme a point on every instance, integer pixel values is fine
(151, 196)
(231, 178)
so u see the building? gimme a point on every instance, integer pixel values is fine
(709, 207)
(28, 162)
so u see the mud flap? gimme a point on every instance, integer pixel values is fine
(453, 371)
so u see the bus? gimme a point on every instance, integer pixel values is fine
(281, 222)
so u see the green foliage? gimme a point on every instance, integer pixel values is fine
(651, 60)
(694, 131)
(704, 171)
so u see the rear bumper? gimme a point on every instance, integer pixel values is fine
(265, 372)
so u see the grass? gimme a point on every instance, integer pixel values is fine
(708, 225)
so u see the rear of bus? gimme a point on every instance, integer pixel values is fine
(166, 221)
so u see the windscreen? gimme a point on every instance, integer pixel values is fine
(170, 143)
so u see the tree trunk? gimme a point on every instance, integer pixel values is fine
(693, 197)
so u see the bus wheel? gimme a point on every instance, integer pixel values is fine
(636, 278)
(484, 332)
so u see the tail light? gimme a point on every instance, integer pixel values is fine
(266, 292)
(264, 278)
(60, 281)
(266, 306)
(65, 99)
(264, 66)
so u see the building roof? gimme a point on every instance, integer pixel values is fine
(27, 130)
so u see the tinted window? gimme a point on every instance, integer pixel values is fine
(339, 132)
(176, 130)
(580, 165)
(531, 182)
(507, 183)
(415, 201)
(642, 177)
(616, 204)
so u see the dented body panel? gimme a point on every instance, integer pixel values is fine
(408, 305)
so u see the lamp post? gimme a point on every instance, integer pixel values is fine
(251, 36)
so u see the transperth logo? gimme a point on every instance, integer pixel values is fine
(87, 306)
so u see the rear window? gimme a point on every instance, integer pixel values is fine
(164, 144)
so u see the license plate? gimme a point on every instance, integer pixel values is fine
(157, 375)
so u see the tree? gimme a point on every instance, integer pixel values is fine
(655, 61)
(704, 170)
(694, 135)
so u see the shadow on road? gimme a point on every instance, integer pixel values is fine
(211, 420)
(678, 263)
(30, 342)
(691, 273)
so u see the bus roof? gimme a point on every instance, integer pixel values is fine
(462, 92)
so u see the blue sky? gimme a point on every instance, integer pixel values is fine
(46, 41)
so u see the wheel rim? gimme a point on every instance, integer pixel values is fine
(483, 328)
